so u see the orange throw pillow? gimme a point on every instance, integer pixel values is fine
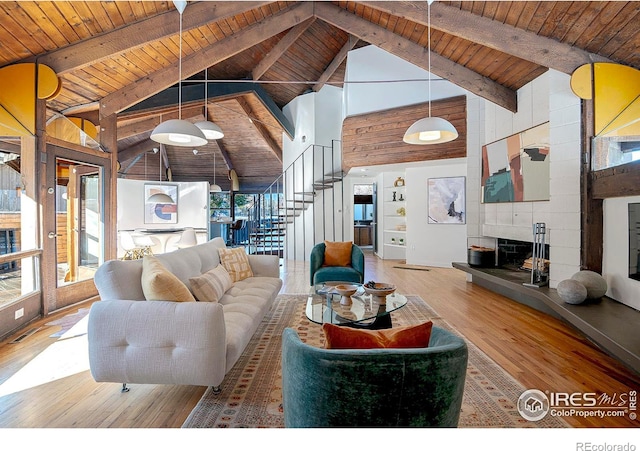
(343, 337)
(337, 253)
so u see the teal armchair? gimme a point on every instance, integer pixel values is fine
(417, 387)
(320, 273)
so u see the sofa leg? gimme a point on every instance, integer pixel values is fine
(124, 388)
(216, 390)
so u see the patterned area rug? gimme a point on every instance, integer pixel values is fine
(251, 394)
(72, 322)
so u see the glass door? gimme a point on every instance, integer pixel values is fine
(76, 223)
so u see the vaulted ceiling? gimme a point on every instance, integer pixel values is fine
(122, 57)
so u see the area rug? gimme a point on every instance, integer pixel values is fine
(251, 394)
(68, 322)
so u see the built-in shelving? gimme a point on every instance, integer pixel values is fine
(394, 222)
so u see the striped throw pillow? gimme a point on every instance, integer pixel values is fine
(236, 262)
(212, 285)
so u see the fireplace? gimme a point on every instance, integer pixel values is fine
(500, 252)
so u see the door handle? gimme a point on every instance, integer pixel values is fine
(52, 235)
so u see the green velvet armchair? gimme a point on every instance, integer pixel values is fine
(418, 387)
(320, 273)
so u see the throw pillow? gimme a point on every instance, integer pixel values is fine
(236, 262)
(343, 337)
(159, 284)
(212, 285)
(337, 253)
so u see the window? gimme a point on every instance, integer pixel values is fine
(614, 151)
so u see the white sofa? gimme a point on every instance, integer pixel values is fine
(132, 340)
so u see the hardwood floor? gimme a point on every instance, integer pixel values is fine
(536, 349)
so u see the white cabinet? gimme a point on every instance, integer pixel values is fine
(394, 222)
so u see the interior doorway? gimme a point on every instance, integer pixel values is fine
(364, 216)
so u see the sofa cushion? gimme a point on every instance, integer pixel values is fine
(159, 284)
(211, 286)
(342, 337)
(236, 262)
(337, 253)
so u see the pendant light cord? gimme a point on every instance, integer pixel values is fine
(429, 48)
(180, 72)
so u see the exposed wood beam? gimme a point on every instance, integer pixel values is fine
(280, 48)
(259, 126)
(335, 64)
(131, 152)
(496, 35)
(618, 181)
(137, 34)
(225, 155)
(206, 57)
(418, 55)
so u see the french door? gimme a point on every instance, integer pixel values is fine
(76, 222)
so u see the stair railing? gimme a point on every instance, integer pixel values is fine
(282, 222)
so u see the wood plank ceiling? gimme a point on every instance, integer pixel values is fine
(122, 57)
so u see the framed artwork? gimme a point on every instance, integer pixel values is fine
(516, 168)
(447, 200)
(160, 204)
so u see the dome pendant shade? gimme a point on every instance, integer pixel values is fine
(160, 198)
(210, 129)
(213, 188)
(430, 130)
(178, 132)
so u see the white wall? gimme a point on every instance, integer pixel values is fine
(193, 200)
(615, 266)
(548, 98)
(372, 64)
(432, 244)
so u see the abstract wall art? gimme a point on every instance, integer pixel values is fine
(447, 203)
(161, 204)
(516, 168)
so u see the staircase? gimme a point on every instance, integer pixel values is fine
(300, 208)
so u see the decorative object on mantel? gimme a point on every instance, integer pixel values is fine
(394, 196)
(401, 197)
(399, 182)
(595, 284)
(571, 291)
(430, 130)
(539, 270)
(401, 211)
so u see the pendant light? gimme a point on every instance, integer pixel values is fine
(179, 132)
(430, 130)
(210, 129)
(214, 188)
(159, 198)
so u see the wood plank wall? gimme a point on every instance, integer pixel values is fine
(376, 138)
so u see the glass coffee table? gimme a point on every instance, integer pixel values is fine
(365, 311)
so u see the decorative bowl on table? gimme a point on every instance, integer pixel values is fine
(379, 290)
(346, 291)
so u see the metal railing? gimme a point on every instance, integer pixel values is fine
(303, 206)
